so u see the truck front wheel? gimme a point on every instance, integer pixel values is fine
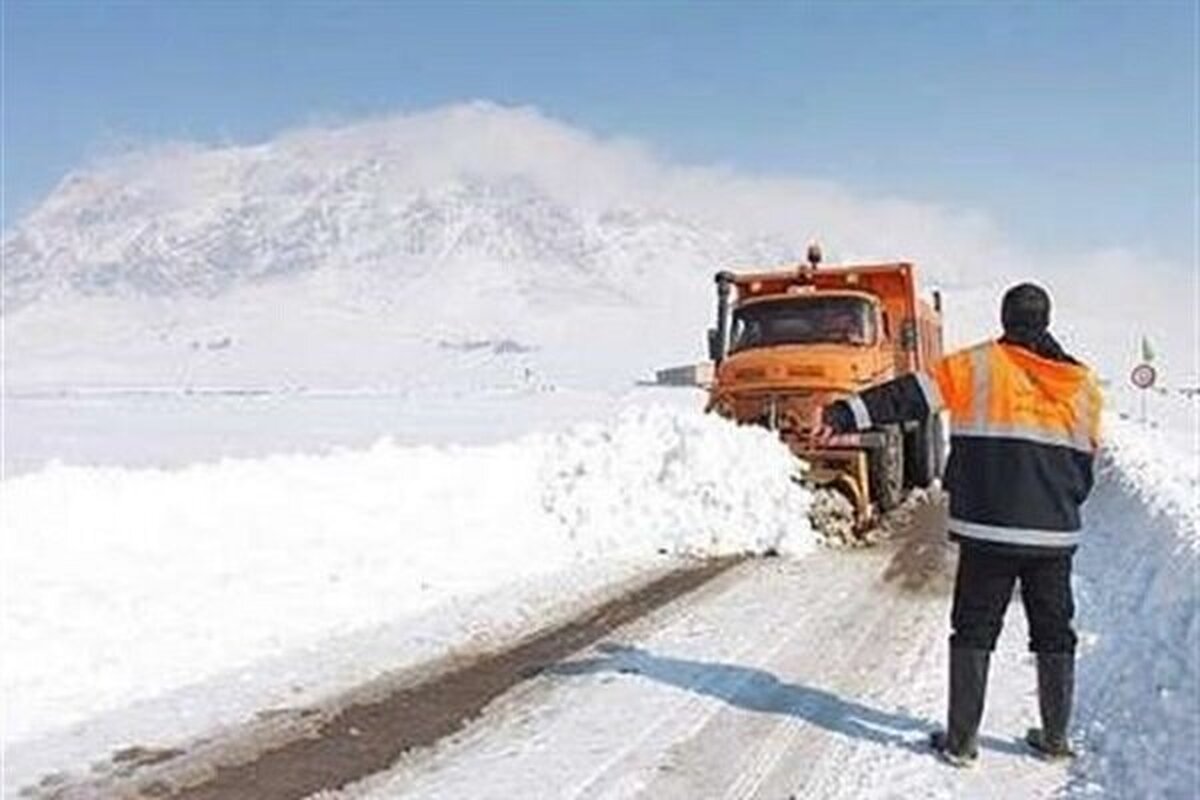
(887, 470)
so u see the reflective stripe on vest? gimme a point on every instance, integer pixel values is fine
(981, 384)
(1027, 433)
(1035, 537)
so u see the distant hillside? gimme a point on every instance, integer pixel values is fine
(324, 254)
(201, 222)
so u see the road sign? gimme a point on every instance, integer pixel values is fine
(1143, 376)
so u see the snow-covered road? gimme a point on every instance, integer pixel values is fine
(813, 678)
(821, 677)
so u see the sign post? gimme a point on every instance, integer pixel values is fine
(1143, 377)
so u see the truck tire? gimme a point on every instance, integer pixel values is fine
(941, 449)
(922, 453)
(886, 467)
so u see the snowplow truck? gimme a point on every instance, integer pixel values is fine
(791, 341)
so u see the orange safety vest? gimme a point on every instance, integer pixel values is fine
(1023, 431)
(997, 390)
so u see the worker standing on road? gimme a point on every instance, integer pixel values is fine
(1024, 421)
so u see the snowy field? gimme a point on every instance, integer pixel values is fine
(171, 428)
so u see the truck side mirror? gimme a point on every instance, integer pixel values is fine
(908, 334)
(714, 346)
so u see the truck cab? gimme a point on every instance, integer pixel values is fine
(805, 339)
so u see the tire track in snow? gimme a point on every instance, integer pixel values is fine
(852, 638)
(797, 743)
(510, 739)
(525, 707)
(616, 767)
(773, 734)
(708, 717)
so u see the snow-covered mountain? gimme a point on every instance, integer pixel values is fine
(335, 254)
(393, 229)
(98, 237)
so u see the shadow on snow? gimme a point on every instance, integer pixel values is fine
(762, 692)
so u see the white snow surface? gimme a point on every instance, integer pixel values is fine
(1137, 576)
(122, 584)
(146, 606)
(1161, 463)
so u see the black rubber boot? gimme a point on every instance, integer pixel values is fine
(1056, 687)
(959, 743)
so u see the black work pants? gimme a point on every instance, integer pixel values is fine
(984, 585)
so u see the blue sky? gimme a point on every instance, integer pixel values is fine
(1071, 124)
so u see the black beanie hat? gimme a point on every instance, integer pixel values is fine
(1026, 307)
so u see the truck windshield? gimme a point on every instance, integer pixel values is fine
(804, 320)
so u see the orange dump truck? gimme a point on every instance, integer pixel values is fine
(790, 341)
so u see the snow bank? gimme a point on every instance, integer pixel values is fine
(1137, 574)
(1161, 467)
(124, 584)
(678, 482)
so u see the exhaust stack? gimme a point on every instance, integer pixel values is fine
(813, 255)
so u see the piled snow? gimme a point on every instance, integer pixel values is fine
(684, 482)
(1160, 466)
(124, 584)
(1137, 574)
